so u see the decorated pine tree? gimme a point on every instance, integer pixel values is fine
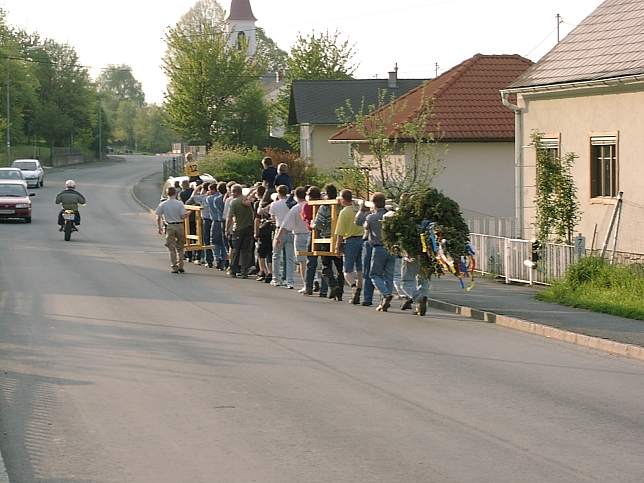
(429, 226)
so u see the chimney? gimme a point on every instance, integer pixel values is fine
(393, 78)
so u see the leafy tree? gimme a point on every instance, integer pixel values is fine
(152, 133)
(206, 80)
(323, 56)
(246, 122)
(402, 156)
(67, 113)
(556, 200)
(23, 83)
(203, 17)
(272, 58)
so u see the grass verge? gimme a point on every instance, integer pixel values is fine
(595, 285)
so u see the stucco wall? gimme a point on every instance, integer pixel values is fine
(480, 178)
(326, 155)
(575, 118)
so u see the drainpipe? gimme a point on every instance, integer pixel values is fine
(518, 163)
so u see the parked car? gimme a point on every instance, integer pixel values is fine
(171, 180)
(14, 200)
(12, 174)
(31, 168)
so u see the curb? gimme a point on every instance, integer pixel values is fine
(605, 345)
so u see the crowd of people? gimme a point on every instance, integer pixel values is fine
(266, 232)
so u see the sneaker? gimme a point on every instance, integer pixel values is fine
(384, 305)
(202, 262)
(406, 305)
(355, 299)
(197, 262)
(323, 295)
(61, 228)
(421, 306)
(210, 265)
(367, 304)
(261, 276)
(302, 290)
(175, 270)
(268, 279)
(316, 286)
(276, 283)
(308, 294)
(289, 286)
(219, 265)
(181, 270)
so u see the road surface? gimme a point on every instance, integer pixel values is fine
(116, 370)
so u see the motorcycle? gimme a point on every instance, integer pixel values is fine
(68, 227)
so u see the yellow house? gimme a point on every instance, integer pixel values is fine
(586, 96)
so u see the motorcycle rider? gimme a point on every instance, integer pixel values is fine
(69, 199)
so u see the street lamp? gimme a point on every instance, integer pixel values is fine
(34, 47)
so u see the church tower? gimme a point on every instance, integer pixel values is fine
(240, 24)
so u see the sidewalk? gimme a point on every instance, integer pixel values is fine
(511, 306)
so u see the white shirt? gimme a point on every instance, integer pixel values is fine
(279, 209)
(294, 221)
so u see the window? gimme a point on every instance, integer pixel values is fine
(551, 145)
(603, 166)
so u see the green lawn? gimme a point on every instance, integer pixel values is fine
(24, 152)
(595, 285)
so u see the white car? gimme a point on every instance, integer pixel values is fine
(32, 170)
(13, 174)
(172, 179)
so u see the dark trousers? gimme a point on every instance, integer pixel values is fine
(242, 256)
(332, 278)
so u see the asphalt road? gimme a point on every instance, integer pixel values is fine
(116, 370)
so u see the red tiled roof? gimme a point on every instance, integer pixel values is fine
(467, 102)
(240, 10)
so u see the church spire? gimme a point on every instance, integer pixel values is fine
(240, 25)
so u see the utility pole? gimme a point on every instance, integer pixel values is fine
(436, 70)
(559, 22)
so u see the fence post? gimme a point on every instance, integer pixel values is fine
(507, 255)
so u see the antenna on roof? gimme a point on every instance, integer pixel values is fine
(559, 22)
(436, 69)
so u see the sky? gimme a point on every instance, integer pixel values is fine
(421, 37)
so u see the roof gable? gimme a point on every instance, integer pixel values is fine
(466, 101)
(608, 43)
(315, 101)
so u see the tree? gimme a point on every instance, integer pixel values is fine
(206, 80)
(556, 200)
(321, 57)
(204, 16)
(271, 57)
(23, 83)
(428, 226)
(314, 57)
(246, 122)
(68, 111)
(402, 154)
(152, 134)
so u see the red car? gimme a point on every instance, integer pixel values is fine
(14, 200)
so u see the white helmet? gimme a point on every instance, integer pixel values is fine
(70, 183)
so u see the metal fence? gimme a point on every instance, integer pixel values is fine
(505, 227)
(173, 167)
(505, 257)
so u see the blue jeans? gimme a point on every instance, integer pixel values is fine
(352, 254)
(382, 270)
(289, 258)
(207, 227)
(413, 285)
(218, 239)
(367, 285)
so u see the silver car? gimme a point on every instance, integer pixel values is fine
(12, 174)
(32, 170)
